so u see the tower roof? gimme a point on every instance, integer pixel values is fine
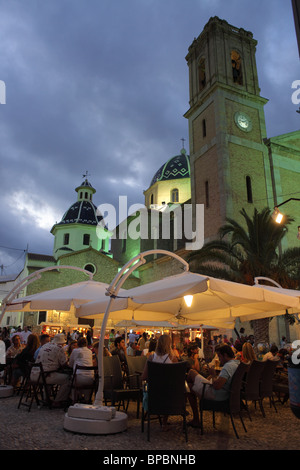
(83, 211)
(175, 168)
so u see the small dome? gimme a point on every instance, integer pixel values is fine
(175, 168)
(81, 212)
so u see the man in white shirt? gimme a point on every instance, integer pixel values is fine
(24, 335)
(54, 359)
(82, 356)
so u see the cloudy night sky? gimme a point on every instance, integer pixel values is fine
(102, 86)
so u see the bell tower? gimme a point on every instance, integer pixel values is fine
(229, 161)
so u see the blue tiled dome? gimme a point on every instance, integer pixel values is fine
(175, 168)
(81, 212)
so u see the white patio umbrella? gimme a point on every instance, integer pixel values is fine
(64, 299)
(215, 301)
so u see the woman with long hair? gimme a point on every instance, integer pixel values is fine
(163, 353)
(248, 354)
(20, 364)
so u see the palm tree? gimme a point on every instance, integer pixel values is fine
(241, 254)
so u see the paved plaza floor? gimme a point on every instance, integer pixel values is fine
(42, 429)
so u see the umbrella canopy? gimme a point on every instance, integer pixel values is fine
(215, 301)
(65, 299)
(145, 323)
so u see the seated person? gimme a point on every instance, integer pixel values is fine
(120, 350)
(272, 354)
(83, 356)
(15, 348)
(217, 388)
(20, 363)
(44, 338)
(192, 357)
(132, 348)
(54, 360)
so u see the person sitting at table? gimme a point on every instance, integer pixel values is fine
(248, 354)
(151, 348)
(163, 353)
(193, 357)
(95, 351)
(44, 338)
(132, 348)
(20, 363)
(69, 348)
(82, 356)
(272, 355)
(55, 364)
(120, 351)
(217, 388)
(15, 348)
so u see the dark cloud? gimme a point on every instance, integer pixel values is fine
(102, 86)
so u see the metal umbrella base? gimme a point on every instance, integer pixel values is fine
(92, 419)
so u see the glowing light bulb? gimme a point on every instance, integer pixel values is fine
(188, 300)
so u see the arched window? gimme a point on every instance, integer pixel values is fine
(86, 239)
(201, 74)
(249, 189)
(175, 195)
(66, 238)
(236, 64)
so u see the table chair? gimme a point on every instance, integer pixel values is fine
(251, 386)
(266, 383)
(77, 388)
(116, 387)
(231, 406)
(166, 392)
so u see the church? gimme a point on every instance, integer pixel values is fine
(232, 164)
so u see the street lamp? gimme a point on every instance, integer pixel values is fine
(278, 216)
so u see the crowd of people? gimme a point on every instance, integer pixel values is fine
(60, 354)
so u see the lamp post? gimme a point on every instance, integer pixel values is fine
(277, 215)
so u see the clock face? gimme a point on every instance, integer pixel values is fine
(243, 121)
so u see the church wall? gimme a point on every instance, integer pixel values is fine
(198, 139)
(284, 154)
(106, 270)
(246, 162)
(207, 169)
(160, 267)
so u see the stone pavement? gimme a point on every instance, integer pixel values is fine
(42, 429)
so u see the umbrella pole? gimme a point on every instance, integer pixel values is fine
(99, 395)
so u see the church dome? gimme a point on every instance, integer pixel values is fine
(83, 211)
(175, 168)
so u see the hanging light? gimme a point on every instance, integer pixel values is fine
(277, 215)
(188, 300)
